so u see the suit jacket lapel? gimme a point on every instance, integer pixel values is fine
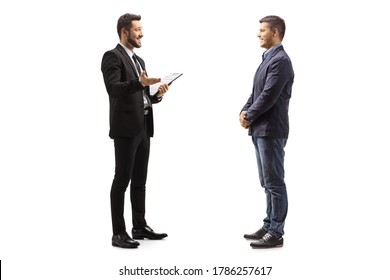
(264, 62)
(124, 53)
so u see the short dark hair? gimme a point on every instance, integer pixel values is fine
(275, 22)
(125, 20)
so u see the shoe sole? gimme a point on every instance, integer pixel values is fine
(126, 247)
(142, 238)
(267, 247)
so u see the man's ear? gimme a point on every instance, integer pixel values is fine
(123, 31)
(275, 32)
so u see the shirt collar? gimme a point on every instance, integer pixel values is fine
(270, 51)
(128, 51)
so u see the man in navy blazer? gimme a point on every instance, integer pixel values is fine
(266, 116)
(131, 126)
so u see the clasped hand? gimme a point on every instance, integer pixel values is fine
(243, 121)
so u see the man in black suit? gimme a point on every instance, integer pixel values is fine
(266, 116)
(131, 126)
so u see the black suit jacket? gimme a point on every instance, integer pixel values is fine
(125, 92)
(267, 107)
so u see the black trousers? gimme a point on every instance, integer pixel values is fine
(131, 163)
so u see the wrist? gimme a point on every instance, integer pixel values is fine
(140, 81)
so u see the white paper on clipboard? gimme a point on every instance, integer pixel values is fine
(168, 79)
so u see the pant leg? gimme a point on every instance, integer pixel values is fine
(271, 154)
(125, 150)
(267, 219)
(138, 183)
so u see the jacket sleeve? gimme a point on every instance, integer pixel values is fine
(155, 99)
(112, 74)
(277, 77)
(248, 103)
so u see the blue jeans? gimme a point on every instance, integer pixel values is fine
(270, 162)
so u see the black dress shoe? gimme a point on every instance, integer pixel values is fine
(147, 232)
(123, 240)
(268, 241)
(257, 235)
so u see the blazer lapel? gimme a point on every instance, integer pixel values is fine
(269, 57)
(127, 57)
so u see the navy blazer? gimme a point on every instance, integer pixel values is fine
(267, 107)
(125, 92)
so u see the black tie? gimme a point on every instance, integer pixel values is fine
(137, 65)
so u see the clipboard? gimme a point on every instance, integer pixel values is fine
(168, 79)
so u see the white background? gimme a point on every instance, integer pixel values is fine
(57, 161)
